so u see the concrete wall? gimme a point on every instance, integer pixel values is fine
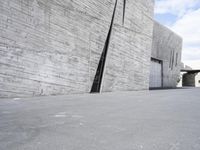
(167, 46)
(127, 65)
(53, 47)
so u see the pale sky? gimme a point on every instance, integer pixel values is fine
(183, 17)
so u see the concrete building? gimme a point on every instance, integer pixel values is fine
(191, 78)
(66, 47)
(165, 58)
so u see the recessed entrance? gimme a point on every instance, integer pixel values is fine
(155, 73)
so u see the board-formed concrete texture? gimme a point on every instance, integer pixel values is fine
(167, 47)
(54, 47)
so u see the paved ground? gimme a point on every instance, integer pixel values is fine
(155, 120)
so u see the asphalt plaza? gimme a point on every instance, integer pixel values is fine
(148, 120)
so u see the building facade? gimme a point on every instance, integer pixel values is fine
(66, 47)
(165, 58)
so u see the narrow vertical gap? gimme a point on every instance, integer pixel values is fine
(173, 60)
(124, 11)
(162, 74)
(96, 86)
(170, 61)
(176, 59)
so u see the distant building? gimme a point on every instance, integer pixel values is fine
(189, 77)
(69, 47)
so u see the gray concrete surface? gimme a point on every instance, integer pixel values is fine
(53, 47)
(167, 47)
(146, 120)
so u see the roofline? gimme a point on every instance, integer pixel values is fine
(190, 71)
